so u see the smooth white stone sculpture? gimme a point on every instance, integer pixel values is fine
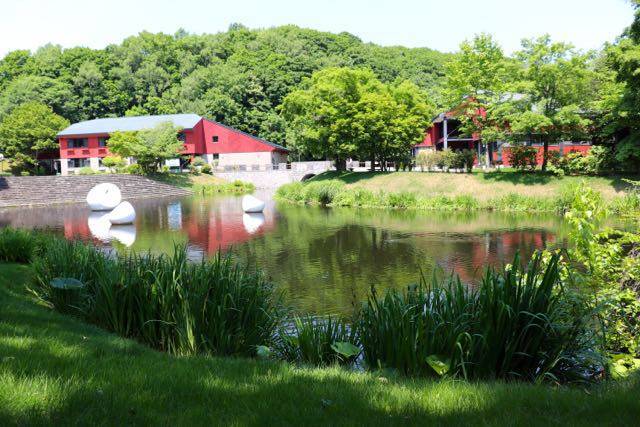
(104, 197)
(123, 214)
(252, 205)
(125, 234)
(99, 225)
(252, 221)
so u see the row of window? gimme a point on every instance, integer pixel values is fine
(84, 142)
(102, 142)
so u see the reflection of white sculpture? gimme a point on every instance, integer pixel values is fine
(252, 221)
(252, 205)
(122, 214)
(125, 234)
(104, 197)
(99, 225)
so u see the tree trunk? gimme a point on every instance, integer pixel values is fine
(373, 162)
(341, 164)
(545, 152)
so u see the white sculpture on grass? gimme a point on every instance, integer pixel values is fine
(104, 197)
(251, 204)
(252, 221)
(123, 214)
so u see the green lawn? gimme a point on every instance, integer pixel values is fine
(481, 185)
(57, 370)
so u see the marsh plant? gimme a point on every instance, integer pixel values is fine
(517, 323)
(167, 302)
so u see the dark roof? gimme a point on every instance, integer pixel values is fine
(264, 141)
(123, 124)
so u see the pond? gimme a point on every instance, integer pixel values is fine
(325, 260)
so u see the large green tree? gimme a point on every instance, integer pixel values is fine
(344, 112)
(477, 80)
(149, 147)
(27, 131)
(556, 82)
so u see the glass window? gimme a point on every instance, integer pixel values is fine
(182, 137)
(78, 163)
(77, 143)
(216, 156)
(102, 142)
(214, 138)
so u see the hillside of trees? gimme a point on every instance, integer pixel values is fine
(238, 77)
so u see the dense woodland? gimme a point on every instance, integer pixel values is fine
(331, 95)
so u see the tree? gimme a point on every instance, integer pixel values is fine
(477, 79)
(30, 129)
(113, 162)
(149, 147)
(556, 81)
(345, 112)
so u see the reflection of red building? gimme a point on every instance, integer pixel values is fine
(224, 225)
(491, 251)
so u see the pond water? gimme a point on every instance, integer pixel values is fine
(324, 259)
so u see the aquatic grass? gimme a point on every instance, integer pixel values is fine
(516, 324)
(317, 341)
(336, 193)
(17, 245)
(165, 301)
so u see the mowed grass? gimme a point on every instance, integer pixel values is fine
(55, 370)
(482, 186)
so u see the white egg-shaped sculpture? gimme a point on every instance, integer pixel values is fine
(99, 225)
(124, 213)
(252, 221)
(104, 197)
(251, 204)
(125, 234)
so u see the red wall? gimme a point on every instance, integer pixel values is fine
(231, 140)
(567, 148)
(197, 141)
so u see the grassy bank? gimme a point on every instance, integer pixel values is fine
(57, 370)
(500, 191)
(204, 184)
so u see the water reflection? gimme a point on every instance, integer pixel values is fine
(324, 259)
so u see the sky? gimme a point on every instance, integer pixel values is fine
(441, 24)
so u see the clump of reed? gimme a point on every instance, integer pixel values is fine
(517, 324)
(167, 302)
(18, 245)
(318, 341)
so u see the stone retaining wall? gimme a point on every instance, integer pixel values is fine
(45, 190)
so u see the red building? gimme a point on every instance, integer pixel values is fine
(85, 144)
(445, 133)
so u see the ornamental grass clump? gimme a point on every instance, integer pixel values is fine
(318, 341)
(18, 245)
(166, 302)
(517, 324)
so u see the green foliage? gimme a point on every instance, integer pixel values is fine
(523, 157)
(150, 147)
(318, 341)
(235, 187)
(19, 245)
(428, 159)
(87, 171)
(113, 162)
(343, 112)
(134, 169)
(166, 302)
(516, 324)
(27, 131)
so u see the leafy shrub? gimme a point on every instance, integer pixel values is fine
(467, 158)
(87, 171)
(318, 341)
(18, 245)
(428, 159)
(523, 157)
(518, 324)
(134, 169)
(113, 162)
(206, 169)
(450, 159)
(322, 192)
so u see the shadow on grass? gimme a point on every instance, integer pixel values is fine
(347, 177)
(55, 370)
